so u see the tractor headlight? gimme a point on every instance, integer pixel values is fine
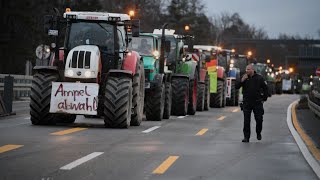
(69, 73)
(88, 74)
(231, 65)
(311, 83)
(156, 54)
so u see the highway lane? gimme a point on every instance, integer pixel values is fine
(205, 146)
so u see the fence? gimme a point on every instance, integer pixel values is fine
(21, 86)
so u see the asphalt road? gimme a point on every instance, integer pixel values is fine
(206, 146)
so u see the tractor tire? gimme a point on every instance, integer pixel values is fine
(193, 93)
(237, 97)
(168, 101)
(40, 98)
(217, 99)
(118, 102)
(91, 116)
(66, 118)
(278, 88)
(224, 99)
(207, 94)
(232, 100)
(155, 101)
(200, 96)
(180, 96)
(138, 96)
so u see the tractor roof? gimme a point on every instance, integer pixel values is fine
(206, 47)
(166, 31)
(97, 16)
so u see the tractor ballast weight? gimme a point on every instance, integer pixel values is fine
(91, 74)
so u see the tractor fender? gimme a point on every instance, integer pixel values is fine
(130, 61)
(203, 74)
(220, 72)
(120, 73)
(193, 70)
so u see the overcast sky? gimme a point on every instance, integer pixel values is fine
(274, 16)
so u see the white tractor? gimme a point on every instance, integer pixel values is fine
(94, 74)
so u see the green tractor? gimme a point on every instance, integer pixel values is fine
(157, 79)
(185, 76)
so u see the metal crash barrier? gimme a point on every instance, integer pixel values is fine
(3, 111)
(7, 99)
(314, 97)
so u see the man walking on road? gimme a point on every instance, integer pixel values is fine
(255, 91)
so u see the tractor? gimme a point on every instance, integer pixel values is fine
(93, 74)
(157, 81)
(185, 75)
(216, 74)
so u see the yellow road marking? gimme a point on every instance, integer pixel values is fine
(68, 131)
(236, 110)
(221, 118)
(202, 131)
(9, 147)
(165, 165)
(312, 147)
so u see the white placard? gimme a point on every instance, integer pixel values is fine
(74, 98)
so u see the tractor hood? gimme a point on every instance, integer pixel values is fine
(83, 62)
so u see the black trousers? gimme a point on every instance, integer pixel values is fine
(258, 111)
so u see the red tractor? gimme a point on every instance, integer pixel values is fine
(94, 74)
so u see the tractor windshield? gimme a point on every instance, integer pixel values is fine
(241, 63)
(142, 44)
(91, 33)
(260, 69)
(172, 56)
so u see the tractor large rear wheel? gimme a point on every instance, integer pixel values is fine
(155, 100)
(138, 96)
(193, 92)
(201, 96)
(118, 102)
(180, 96)
(207, 94)
(40, 98)
(168, 101)
(217, 99)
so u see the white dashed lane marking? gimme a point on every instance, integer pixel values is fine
(151, 129)
(81, 161)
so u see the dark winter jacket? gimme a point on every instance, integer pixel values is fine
(254, 89)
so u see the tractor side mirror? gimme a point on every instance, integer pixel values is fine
(135, 28)
(48, 23)
(167, 46)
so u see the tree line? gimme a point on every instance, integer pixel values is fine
(22, 23)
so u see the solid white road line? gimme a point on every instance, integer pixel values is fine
(303, 148)
(151, 129)
(81, 161)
